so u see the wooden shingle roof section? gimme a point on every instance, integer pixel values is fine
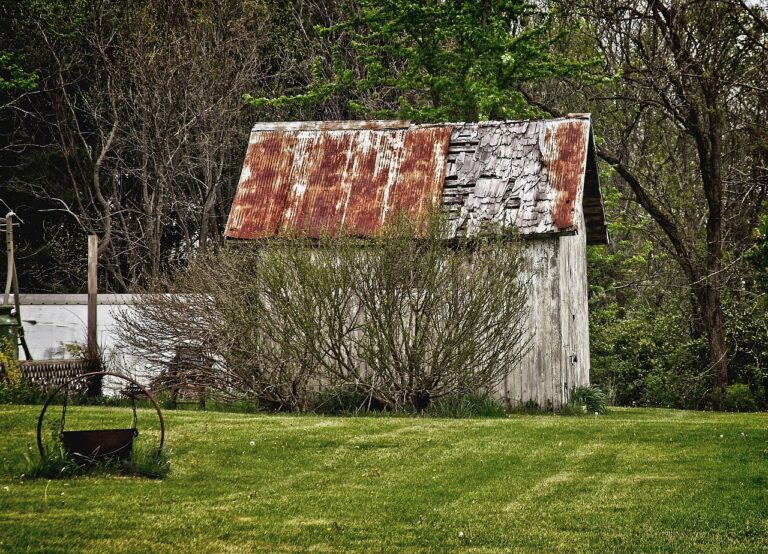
(313, 178)
(526, 174)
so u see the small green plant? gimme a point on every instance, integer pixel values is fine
(345, 401)
(22, 392)
(738, 398)
(590, 400)
(572, 410)
(54, 465)
(75, 349)
(472, 405)
(10, 373)
(147, 461)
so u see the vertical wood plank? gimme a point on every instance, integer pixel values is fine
(575, 307)
(538, 375)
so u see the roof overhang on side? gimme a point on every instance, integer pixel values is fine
(594, 210)
(570, 158)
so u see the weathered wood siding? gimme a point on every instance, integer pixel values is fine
(537, 377)
(574, 312)
(558, 323)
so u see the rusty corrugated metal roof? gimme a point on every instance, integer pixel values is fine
(312, 181)
(313, 178)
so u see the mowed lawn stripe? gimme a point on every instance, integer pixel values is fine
(636, 480)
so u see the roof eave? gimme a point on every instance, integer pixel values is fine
(592, 203)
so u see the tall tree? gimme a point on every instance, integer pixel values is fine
(137, 128)
(435, 60)
(684, 119)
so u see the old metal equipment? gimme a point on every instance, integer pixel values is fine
(46, 373)
(97, 444)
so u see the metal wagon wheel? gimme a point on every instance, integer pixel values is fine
(118, 442)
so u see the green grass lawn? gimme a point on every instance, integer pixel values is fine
(631, 481)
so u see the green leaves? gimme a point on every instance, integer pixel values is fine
(13, 77)
(458, 60)
(319, 90)
(758, 257)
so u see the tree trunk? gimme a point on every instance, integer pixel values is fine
(710, 305)
(716, 337)
(708, 132)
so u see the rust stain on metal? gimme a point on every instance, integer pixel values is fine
(318, 178)
(322, 201)
(315, 195)
(424, 172)
(565, 159)
(317, 182)
(262, 190)
(369, 181)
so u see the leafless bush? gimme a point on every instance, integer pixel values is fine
(214, 306)
(406, 318)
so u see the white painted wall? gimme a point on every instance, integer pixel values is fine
(52, 321)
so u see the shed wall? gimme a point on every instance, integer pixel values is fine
(558, 324)
(574, 315)
(537, 377)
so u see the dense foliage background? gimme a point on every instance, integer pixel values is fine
(129, 120)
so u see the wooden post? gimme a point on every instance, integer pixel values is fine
(94, 383)
(93, 263)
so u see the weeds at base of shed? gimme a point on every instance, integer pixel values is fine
(530, 407)
(585, 401)
(572, 410)
(346, 401)
(359, 402)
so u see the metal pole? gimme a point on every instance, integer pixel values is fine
(93, 262)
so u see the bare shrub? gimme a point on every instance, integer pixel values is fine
(405, 318)
(215, 306)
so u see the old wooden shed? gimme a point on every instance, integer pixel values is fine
(538, 176)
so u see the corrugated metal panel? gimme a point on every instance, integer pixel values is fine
(313, 182)
(375, 159)
(565, 157)
(263, 187)
(315, 192)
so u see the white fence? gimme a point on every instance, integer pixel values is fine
(55, 327)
